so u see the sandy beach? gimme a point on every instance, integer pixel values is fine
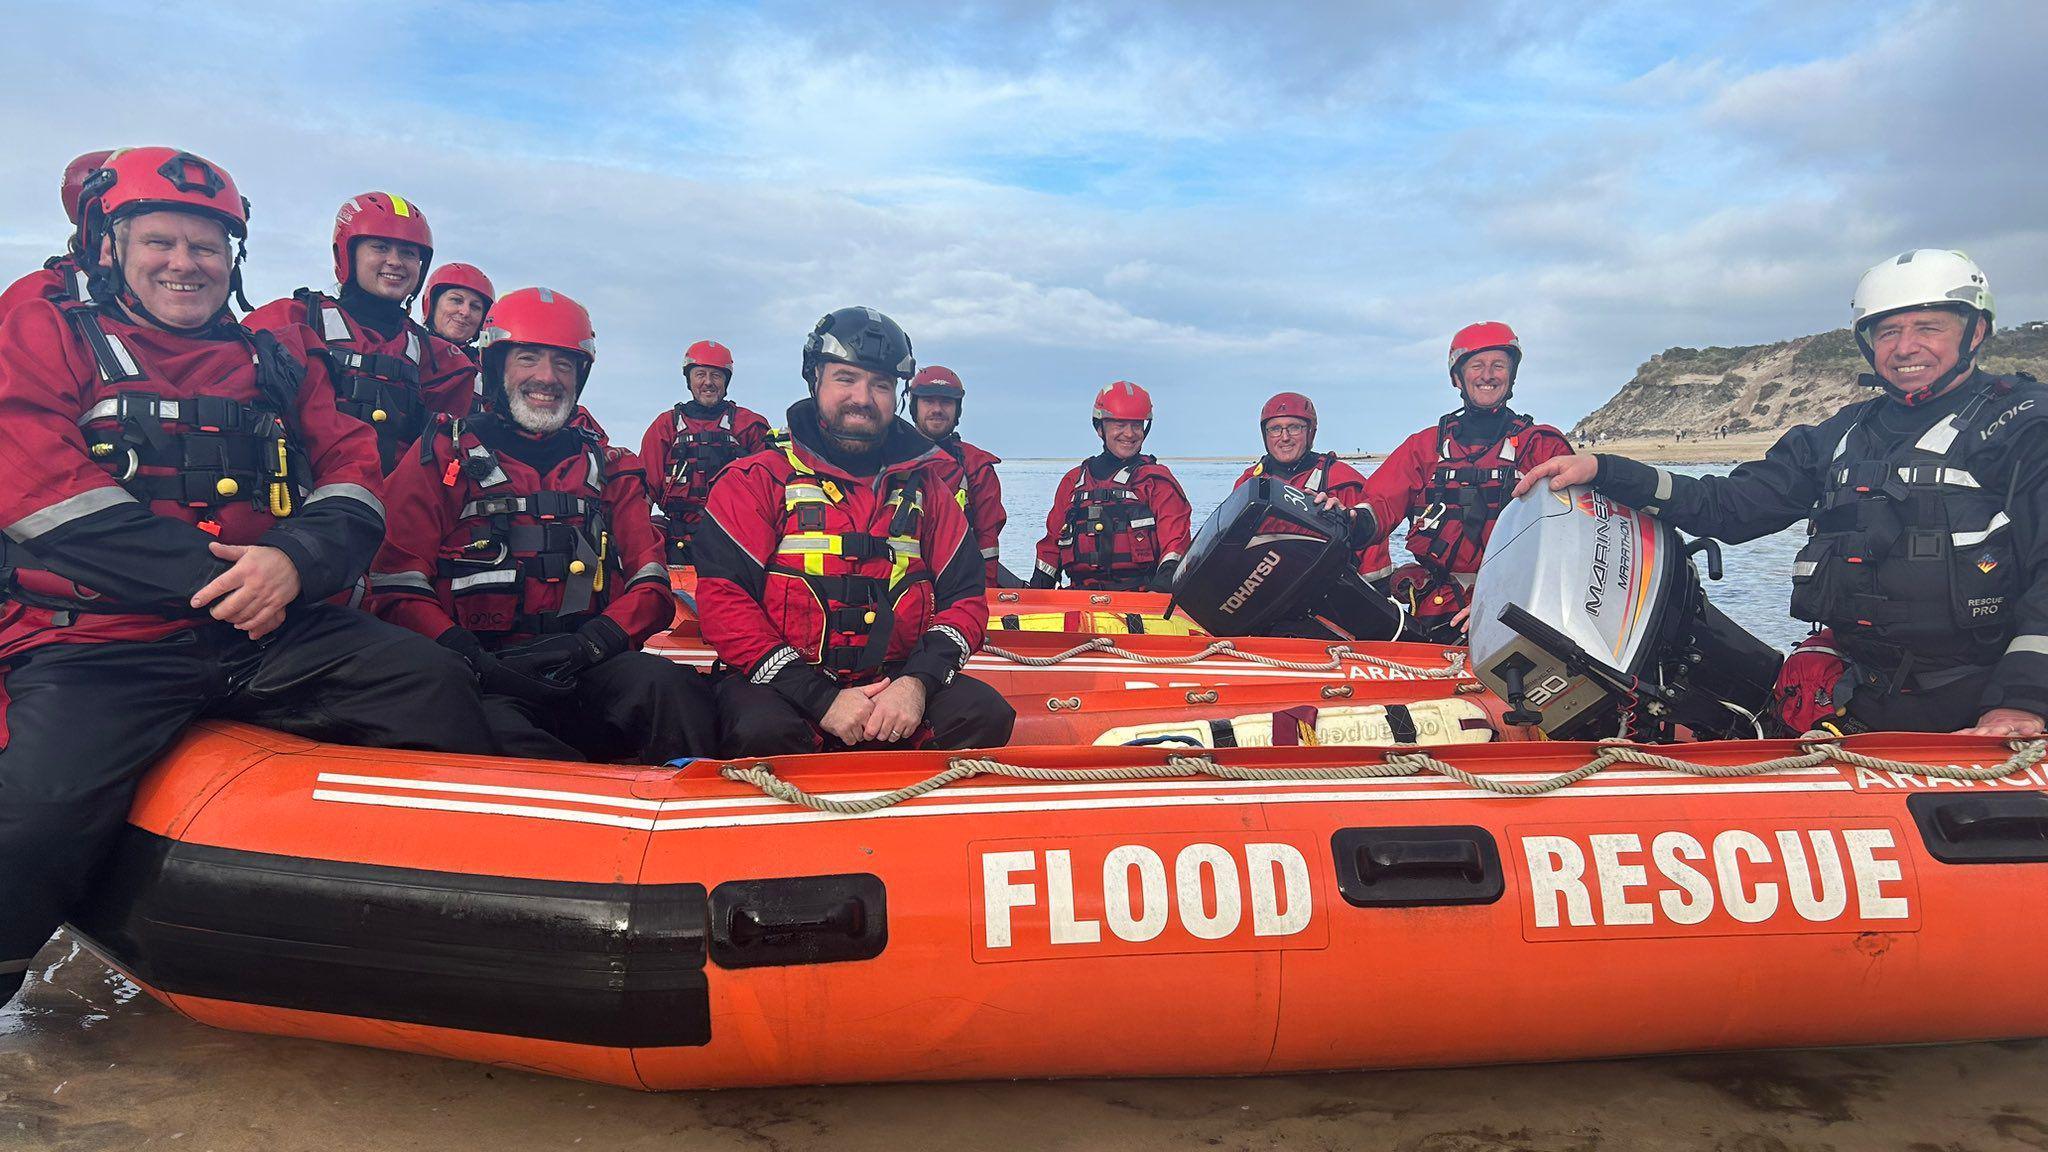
(88, 1063)
(1732, 449)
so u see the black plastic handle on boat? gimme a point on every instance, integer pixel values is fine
(2008, 828)
(768, 925)
(1416, 867)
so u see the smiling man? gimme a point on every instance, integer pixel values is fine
(1927, 557)
(1119, 520)
(180, 499)
(686, 446)
(835, 576)
(1451, 481)
(389, 371)
(520, 539)
(1288, 426)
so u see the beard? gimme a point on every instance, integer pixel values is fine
(839, 427)
(536, 419)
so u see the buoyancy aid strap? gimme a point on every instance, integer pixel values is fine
(116, 364)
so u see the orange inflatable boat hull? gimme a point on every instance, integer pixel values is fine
(1070, 610)
(665, 929)
(1024, 666)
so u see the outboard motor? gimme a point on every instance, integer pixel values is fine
(1590, 621)
(1271, 563)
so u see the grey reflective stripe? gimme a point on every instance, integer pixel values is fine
(1842, 445)
(81, 285)
(332, 326)
(774, 664)
(1380, 574)
(10, 967)
(356, 492)
(54, 516)
(991, 553)
(401, 580)
(651, 572)
(412, 346)
(1465, 579)
(953, 634)
(1940, 438)
(1507, 450)
(122, 354)
(499, 576)
(1144, 522)
(1663, 492)
(1169, 556)
(1804, 567)
(2035, 644)
(1999, 523)
(1315, 480)
(1048, 569)
(595, 476)
(1953, 477)
(108, 409)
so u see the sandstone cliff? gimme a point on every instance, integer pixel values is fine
(1768, 387)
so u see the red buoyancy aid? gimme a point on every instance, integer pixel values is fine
(1110, 536)
(684, 453)
(1318, 472)
(1463, 495)
(848, 582)
(394, 384)
(524, 553)
(971, 471)
(228, 459)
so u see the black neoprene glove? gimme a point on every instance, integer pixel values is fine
(1162, 579)
(560, 657)
(494, 677)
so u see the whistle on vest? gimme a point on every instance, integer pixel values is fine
(604, 545)
(281, 482)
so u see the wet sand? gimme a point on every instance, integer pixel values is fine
(88, 1063)
(1731, 449)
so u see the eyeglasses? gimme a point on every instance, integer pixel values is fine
(1288, 428)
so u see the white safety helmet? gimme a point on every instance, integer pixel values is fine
(1925, 278)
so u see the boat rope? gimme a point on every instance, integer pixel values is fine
(1394, 763)
(1453, 667)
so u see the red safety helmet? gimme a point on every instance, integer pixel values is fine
(386, 217)
(708, 354)
(535, 316)
(458, 276)
(1488, 336)
(1288, 404)
(1123, 400)
(936, 381)
(137, 180)
(75, 174)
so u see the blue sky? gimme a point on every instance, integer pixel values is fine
(1214, 199)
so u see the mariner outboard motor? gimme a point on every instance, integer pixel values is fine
(1590, 621)
(1271, 563)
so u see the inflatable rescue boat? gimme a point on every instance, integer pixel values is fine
(1216, 887)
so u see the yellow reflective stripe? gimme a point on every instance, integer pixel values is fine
(960, 494)
(398, 205)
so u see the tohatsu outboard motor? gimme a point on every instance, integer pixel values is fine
(1589, 620)
(1271, 563)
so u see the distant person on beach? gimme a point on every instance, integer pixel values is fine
(1451, 481)
(1119, 519)
(1288, 426)
(935, 399)
(686, 446)
(1927, 562)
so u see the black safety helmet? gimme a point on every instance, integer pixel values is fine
(862, 337)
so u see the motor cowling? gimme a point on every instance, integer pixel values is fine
(1589, 618)
(1269, 562)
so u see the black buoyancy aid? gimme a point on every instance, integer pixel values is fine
(1909, 554)
(198, 452)
(377, 388)
(695, 459)
(519, 538)
(859, 579)
(1464, 493)
(1111, 535)
(201, 451)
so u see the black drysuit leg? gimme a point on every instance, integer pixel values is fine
(84, 721)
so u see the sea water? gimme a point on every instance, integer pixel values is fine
(1755, 589)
